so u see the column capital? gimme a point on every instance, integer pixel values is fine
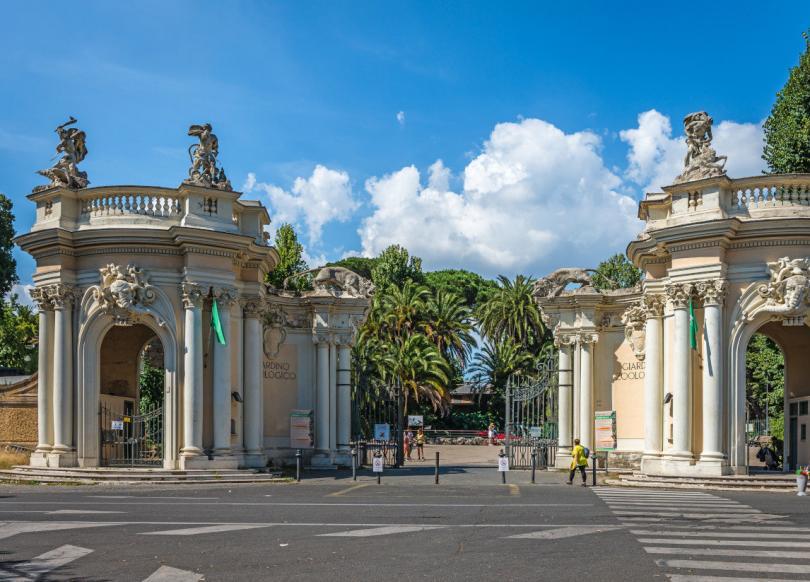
(653, 304)
(321, 338)
(227, 296)
(252, 305)
(61, 295)
(192, 295)
(588, 338)
(41, 298)
(344, 339)
(679, 294)
(565, 340)
(712, 292)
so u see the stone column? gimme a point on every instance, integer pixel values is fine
(253, 406)
(344, 393)
(653, 389)
(681, 402)
(222, 375)
(565, 412)
(333, 429)
(239, 379)
(44, 408)
(322, 400)
(587, 342)
(712, 294)
(192, 372)
(577, 382)
(62, 297)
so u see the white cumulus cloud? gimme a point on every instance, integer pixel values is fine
(401, 117)
(533, 199)
(324, 197)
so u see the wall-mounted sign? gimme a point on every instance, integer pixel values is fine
(117, 425)
(416, 420)
(605, 430)
(301, 429)
(382, 432)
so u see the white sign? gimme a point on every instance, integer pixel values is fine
(117, 425)
(416, 420)
(377, 464)
(382, 432)
(503, 464)
(536, 432)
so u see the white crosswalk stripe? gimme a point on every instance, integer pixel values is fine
(380, 531)
(169, 574)
(704, 537)
(194, 531)
(43, 564)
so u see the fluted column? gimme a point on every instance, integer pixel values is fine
(44, 393)
(587, 342)
(679, 295)
(192, 371)
(565, 387)
(577, 381)
(712, 294)
(344, 393)
(253, 407)
(653, 389)
(62, 297)
(225, 298)
(322, 400)
(239, 378)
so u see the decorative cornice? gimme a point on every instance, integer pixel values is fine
(192, 295)
(712, 292)
(747, 244)
(689, 246)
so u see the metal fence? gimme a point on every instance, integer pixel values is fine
(520, 455)
(131, 440)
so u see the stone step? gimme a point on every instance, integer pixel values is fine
(78, 475)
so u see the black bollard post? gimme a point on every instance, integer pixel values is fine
(354, 464)
(298, 465)
(501, 455)
(378, 460)
(437, 467)
(534, 464)
(593, 470)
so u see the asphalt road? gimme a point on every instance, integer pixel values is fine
(470, 527)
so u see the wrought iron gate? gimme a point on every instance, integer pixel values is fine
(375, 409)
(531, 415)
(131, 439)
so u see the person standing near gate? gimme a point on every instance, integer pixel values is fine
(579, 460)
(420, 444)
(491, 433)
(408, 442)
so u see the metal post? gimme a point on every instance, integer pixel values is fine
(437, 467)
(508, 414)
(354, 464)
(298, 465)
(503, 473)
(534, 463)
(593, 469)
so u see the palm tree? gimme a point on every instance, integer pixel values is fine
(448, 324)
(403, 308)
(511, 313)
(497, 361)
(419, 368)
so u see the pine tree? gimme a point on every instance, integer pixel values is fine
(787, 129)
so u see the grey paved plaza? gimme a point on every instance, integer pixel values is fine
(470, 527)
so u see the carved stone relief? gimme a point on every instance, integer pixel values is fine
(786, 294)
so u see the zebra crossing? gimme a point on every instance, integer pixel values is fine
(695, 536)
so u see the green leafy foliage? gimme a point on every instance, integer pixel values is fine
(616, 273)
(8, 266)
(765, 382)
(290, 253)
(471, 287)
(787, 129)
(511, 313)
(18, 336)
(396, 267)
(360, 265)
(150, 386)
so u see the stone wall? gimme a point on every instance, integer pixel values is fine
(18, 413)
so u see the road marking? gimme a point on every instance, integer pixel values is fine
(301, 504)
(696, 527)
(44, 563)
(148, 497)
(679, 503)
(651, 509)
(348, 489)
(169, 574)
(740, 566)
(718, 534)
(743, 543)
(79, 511)
(194, 531)
(9, 529)
(753, 514)
(563, 532)
(747, 553)
(380, 531)
(513, 489)
(685, 578)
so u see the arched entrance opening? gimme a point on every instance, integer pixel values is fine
(764, 403)
(132, 376)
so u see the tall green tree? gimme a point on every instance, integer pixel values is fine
(18, 336)
(8, 266)
(765, 382)
(616, 273)
(787, 129)
(449, 325)
(511, 313)
(150, 387)
(471, 287)
(290, 253)
(395, 266)
(360, 265)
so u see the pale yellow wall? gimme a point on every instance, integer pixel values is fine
(280, 391)
(18, 424)
(628, 393)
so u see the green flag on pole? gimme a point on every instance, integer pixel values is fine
(692, 326)
(216, 323)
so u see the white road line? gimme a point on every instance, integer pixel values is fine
(500, 506)
(743, 543)
(739, 566)
(696, 527)
(194, 531)
(563, 532)
(747, 553)
(169, 574)
(9, 529)
(44, 563)
(687, 578)
(79, 512)
(381, 531)
(656, 496)
(754, 514)
(724, 508)
(719, 520)
(148, 497)
(718, 534)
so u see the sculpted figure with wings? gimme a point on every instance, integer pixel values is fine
(72, 149)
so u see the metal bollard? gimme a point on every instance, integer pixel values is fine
(534, 464)
(437, 467)
(298, 465)
(593, 469)
(503, 473)
(354, 464)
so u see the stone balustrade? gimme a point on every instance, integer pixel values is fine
(151, 202)
(768, 192)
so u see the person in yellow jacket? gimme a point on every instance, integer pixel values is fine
(578, 461)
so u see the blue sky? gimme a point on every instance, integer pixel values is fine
(545, 116)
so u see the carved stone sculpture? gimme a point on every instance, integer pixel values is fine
(72, 149)
(337, 281)
(275, 322)
(123, 293)
(203, 156)
(786, 294)
(634, 319)
(554, 284)
(701, 160)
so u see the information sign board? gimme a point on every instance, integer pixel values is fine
(377, 464)
(382, 432)
(117, 425)
(605, 430)
(503, 464)
(301, 429)
(416, 420)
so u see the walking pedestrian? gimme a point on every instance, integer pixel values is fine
(491, 433)
(408, 441)
(420, 444)
(579, 460)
